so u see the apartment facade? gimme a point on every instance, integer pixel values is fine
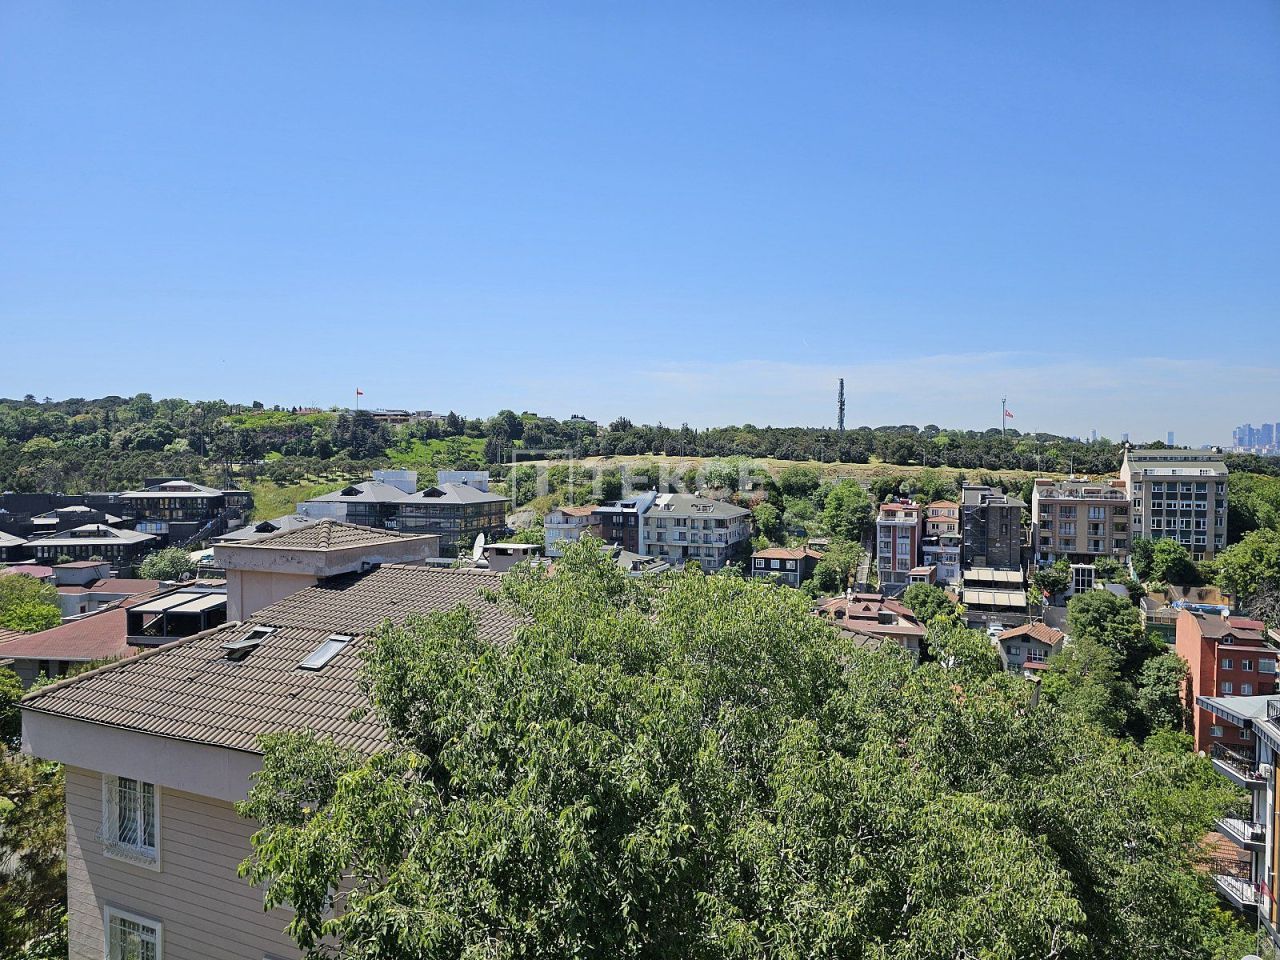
(1226, 656)
(457, 513)
(899, 526)
(159, 747)
(1181, 494)
(940, 547)
(621, 522)
(789, 565)
(565, 525)
(991, 529)
(1029, 646)
(680, 527)
(1079, 520)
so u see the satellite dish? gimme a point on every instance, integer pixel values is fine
(477, 551)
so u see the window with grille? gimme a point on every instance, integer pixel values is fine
(130, 820)
(130, 937)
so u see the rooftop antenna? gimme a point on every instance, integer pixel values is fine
(840, 407)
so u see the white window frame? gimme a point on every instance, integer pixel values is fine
(112, 847)
(109, 913)
(1215, 731)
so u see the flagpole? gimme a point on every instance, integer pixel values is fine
(357, 399)
(1004, 415)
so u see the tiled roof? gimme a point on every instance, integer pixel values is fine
(264, 528)
(93, 534)
(9, 540)
(99, 636)
(786, 553)
(575, 511)
(112, 585)
(454, 493)
(326, 535)
(1034, 631)
(944, 505)
(30, 569)
(190, 690)
(370, 491)
(1216, 627)
(691, 505)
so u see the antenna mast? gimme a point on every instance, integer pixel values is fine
(840, 407)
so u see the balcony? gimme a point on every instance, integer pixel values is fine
(1242, 832)
(1237, 768)
(1232, 881)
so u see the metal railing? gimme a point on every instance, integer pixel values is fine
(1273, 709)
(1244, 765)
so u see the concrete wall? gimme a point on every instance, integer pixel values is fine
(205, 909)
(248, 591)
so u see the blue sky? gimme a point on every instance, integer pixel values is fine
(681, 212)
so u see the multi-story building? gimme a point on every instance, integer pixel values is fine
(991, 528)
(372, 503)
(1029, 646)
(1226, 656)
(898, 534)
(565, 525)
(680, 527)
(1180, 494)
(455, 512)
(95, 541)
(1079, 520)
(178, 510)
(874, 621)
(622, 521)
(941, 545)
(993, 598)
(158, 748)
(789, 565)
(1248, 881)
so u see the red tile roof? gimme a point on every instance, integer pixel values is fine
(1034, 631)
(786, 553)
(30, 569)
(100, 636)
(113, 585)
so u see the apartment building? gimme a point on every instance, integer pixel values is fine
(1180, 494)
(899, 526)
(94, 541)
(1079, 520)
(1248, 880)
(178, 510)
(680, 527)
(789, 565)
(622, 521)
(158, 748)
(874, 621)
(1029, 646)
(371, 503)
(1226, 656)
(940, 547)
(991, 528)
(455, 512)
(565, 525)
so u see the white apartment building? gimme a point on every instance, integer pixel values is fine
(1180, 494)
(680, 527)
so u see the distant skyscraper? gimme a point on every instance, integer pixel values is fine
(1266, 434)
(1170, 440)
(1093, 435)
(1125, 437)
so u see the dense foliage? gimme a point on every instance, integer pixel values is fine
(698, 767)
(28, 604)
(171, 563)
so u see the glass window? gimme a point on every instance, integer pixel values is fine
(130, 937)
(130, 820)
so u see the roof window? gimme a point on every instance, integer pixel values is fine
(325, 652)
(239, 649)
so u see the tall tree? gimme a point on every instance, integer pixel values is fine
(700, 767)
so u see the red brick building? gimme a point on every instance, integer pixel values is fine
(1228, 657)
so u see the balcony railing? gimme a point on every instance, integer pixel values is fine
(1233, 881)
(1273, 709)
(1237, 767)
(1243, 832)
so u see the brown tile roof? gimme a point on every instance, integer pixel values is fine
(1034, 631)
(1216, 627)
(190, 690)
(326, 535)
(30, 569)
(786, 553)
(945, 505)
(112, 585)
(99, 636)
(577, 511)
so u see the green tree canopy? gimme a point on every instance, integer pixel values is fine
(700, 767)
(1053, 580)
(927, 601)
(1246, 568)
(28, 604)
(847, 511)
(768, 520)
(796, 480)
(171, 563)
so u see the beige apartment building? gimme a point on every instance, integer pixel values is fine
(1180, 494)
(1079, 520)
(680, 527)
(159, 747)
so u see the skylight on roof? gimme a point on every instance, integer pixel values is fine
(239, 649)
(325, 652)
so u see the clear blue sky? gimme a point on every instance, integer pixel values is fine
(686, 211)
